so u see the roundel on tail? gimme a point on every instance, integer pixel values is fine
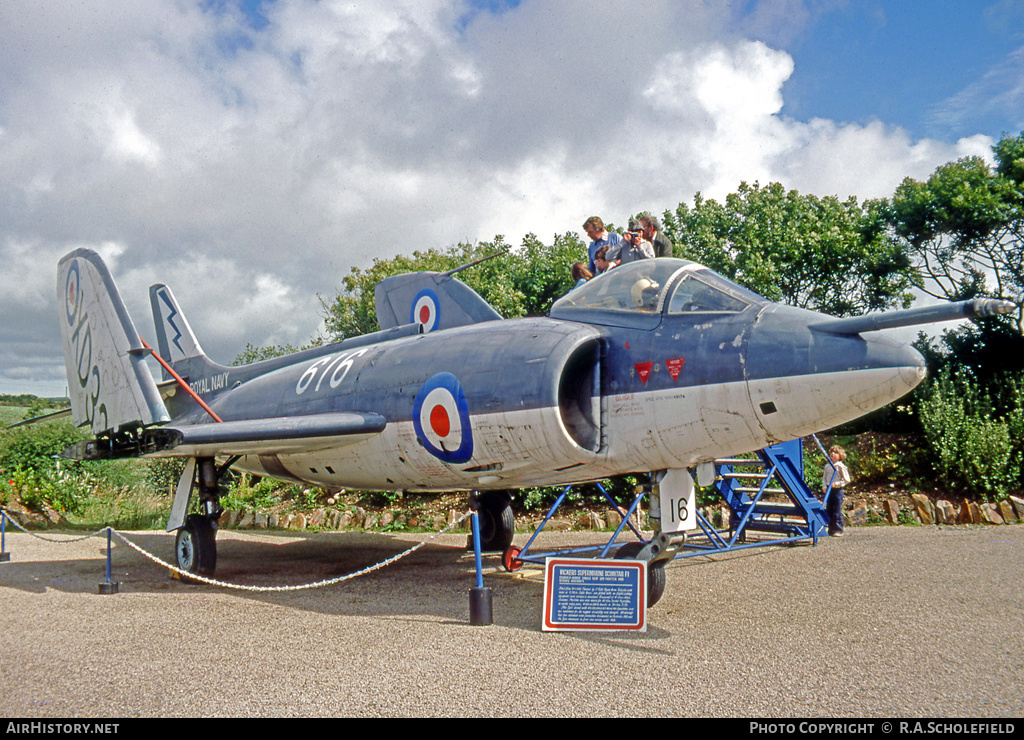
(72, 293)
(425, 310)
(441, 419)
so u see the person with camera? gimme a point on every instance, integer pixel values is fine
(633, 247)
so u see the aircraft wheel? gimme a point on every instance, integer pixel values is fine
(497, 522)
(195, 547)
(510, 559)
(655, 572)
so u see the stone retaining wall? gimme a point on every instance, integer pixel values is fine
(925, 511)
(858, 513)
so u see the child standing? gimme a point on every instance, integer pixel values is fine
(837, 476)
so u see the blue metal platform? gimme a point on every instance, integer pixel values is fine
(767, 497)
(768, 500)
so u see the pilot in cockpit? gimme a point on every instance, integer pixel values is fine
(645, 294)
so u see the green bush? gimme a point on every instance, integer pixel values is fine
(36, 447)
(971, 448)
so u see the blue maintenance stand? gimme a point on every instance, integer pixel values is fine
(514, 557)
(769, 503)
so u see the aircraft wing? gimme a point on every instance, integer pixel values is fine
(291, 434)
(282, 435)
(433, 300)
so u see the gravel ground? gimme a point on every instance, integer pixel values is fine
(886, 622)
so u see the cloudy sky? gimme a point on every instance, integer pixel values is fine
(250, 153)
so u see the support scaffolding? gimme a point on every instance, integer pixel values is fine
(514, 557)
(768, 501)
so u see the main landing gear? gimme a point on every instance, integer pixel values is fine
(497, 522)
(195, 546)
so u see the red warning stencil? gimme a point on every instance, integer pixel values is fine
(675, 366)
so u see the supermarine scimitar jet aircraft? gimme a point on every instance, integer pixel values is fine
(656, 366)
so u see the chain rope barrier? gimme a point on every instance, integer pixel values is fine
(4, 513)
(264, 589)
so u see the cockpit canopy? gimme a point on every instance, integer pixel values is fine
(640, 293)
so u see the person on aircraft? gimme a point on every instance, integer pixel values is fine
(633, 247)
(653, 233)
(580, 274)
(601, 262)
(599, 237)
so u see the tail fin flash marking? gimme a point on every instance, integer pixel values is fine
(175, 338)
(170, 320)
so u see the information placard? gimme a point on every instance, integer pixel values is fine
(588, 594)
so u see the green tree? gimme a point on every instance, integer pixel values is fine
(963, 227)
(518, 282)
(819, 253)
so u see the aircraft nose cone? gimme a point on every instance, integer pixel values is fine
(802, 381)
(912, 367)
(865, 372)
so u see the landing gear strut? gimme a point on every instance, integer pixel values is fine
(195, 546)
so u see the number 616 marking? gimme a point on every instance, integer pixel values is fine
(341, 364)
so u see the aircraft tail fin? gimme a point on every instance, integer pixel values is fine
(109, 382)
(432, 299)
(178, 346)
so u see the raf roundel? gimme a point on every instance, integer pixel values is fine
(72, 292)
(425, 310)
(441, 419)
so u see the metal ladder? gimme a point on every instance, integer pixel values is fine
(744, 484)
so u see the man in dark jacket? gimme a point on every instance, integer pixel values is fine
(654, 234)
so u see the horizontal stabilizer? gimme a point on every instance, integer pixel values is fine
(49, 416)
(974, 309)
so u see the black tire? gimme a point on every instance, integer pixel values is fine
(655, 572)
(497, 522)
(195, 547)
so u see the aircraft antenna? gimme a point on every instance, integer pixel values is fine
(476, 262)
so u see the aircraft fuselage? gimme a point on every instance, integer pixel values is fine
(581, 395)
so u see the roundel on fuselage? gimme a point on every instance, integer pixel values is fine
(441, 419)
(425, 310)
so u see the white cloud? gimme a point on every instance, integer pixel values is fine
(999, 91)
(250, 169)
